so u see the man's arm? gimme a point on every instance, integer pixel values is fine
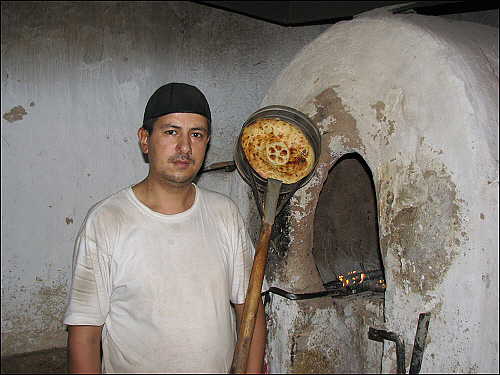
(84, 349)
(256, 354)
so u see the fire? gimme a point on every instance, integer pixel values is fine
(354, 278)
(370, 280)
(357, 277)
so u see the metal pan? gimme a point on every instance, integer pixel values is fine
(251, 177)
(293, 117)
(272, 188)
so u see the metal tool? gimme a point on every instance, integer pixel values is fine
(381, 335)
(228, 166)
(250, 310)
(273, 188)
(419, 344)
(301, 296)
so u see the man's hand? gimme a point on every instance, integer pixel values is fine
(256, 354)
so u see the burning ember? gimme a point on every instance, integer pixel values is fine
(355, 282)
(358, 281)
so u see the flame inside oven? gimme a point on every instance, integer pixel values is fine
(359, 281)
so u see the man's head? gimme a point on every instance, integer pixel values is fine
(176, 149)
(176, 98)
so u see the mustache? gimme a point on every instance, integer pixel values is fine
(179, 157)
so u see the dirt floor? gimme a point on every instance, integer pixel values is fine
(50, 361)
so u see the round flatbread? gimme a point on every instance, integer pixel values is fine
(276, 149)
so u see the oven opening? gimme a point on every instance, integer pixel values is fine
(346, 247)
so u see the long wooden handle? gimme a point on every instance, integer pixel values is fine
(247, 325)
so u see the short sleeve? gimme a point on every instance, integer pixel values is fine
(88, 302)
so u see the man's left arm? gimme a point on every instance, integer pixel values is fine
(256, 354)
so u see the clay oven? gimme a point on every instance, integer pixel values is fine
(407, 184)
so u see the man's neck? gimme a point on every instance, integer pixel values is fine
(165, 198)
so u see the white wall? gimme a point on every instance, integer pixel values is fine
(417, 98)
(82, 73)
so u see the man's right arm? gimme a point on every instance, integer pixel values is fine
(84, 349)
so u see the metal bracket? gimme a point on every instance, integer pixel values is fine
(300, 296)
(228, 166)
(381, 335)
(419, 344)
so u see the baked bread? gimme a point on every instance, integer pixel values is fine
(276, 149)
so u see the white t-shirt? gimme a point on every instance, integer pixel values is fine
(161, 284)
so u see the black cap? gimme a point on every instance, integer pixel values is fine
(177, 98)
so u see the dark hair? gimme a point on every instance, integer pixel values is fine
(149, 125)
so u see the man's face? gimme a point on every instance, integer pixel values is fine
(176, 148)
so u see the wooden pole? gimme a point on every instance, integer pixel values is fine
(247, 325)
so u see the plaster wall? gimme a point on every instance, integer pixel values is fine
(417, 98)
(75, 79)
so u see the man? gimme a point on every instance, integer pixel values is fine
(158, 265)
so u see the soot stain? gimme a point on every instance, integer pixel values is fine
(383, 121)
(15, 114)
(328, 103)
(379, 107)
(426, 233)
(36, 319)
(310, 361)
(279, 244)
